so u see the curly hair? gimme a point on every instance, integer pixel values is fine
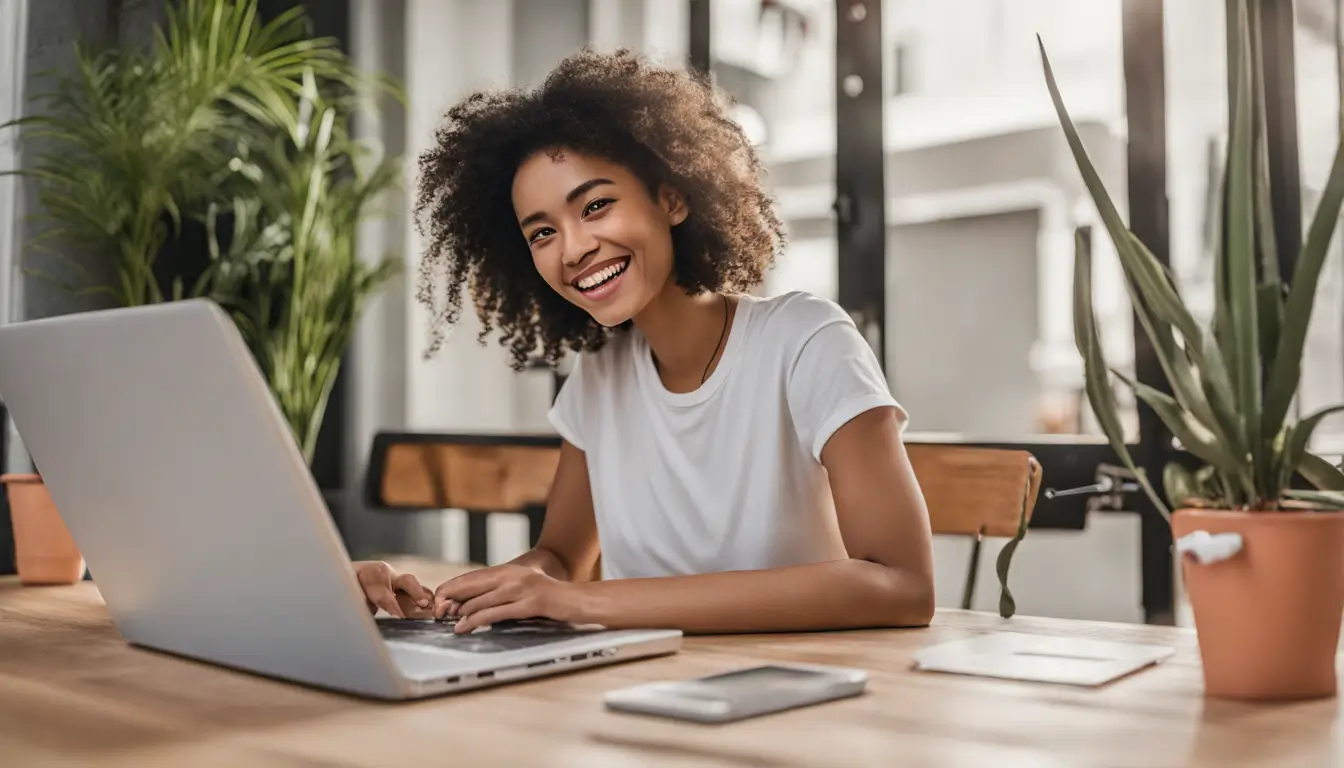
(664, 125)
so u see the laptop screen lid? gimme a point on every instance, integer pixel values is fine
(181, 484)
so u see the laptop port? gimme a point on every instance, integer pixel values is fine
(455, 679)
(540, 663)
(578, 657)
(485, 675)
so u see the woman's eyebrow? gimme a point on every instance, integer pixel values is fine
(574, 194)
(585, 187)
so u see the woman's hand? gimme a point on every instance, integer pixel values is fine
(400, 594)
(503, 592)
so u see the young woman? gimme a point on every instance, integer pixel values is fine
(736, 460)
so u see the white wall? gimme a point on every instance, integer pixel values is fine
(376, 372)
(452, 48)
(13, 55)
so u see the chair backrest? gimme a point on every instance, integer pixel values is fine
(971, 491)
(477, 473)
(976, 491)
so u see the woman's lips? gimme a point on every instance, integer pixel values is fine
(609, 285)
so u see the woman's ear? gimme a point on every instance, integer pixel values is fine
(674, 204)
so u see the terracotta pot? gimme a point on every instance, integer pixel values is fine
(1268, 617)
(43, 549)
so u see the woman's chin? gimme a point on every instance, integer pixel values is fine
(610, 316)
(611, 311)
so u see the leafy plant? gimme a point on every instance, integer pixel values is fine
(291, 276)
(242, 125)
(134, 139)
(1232, 384)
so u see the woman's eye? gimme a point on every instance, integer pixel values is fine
(596, 206)
(540, 233)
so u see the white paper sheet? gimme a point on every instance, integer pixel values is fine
(1040, 658)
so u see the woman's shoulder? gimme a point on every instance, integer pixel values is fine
(614, 357)
(795, 315)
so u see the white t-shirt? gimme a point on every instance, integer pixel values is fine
(727, 477)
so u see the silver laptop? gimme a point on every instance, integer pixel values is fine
(204, 530)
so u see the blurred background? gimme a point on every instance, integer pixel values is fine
(925, 182)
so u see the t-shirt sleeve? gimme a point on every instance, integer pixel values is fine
(834, 378)
(568, 410)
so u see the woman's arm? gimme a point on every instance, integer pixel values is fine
(567, 549)
(887, 581)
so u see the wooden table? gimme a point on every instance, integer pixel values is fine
(73, 693)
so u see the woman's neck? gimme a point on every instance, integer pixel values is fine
(687, 334)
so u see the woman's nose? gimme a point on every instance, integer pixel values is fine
(578, 248)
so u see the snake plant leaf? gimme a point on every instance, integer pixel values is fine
(1239, 246)
(1286, 371)
(1191, 434)
(1264, 216)
(1318, 471)
(1321, 473)
(1211, 401)
(1151, 289)
(1154, 283)
(1217, 384)
(1269, 305)
(1214, 488)
(1096, 381)
(1179, 484)
(1007, 604)
(1332, 500)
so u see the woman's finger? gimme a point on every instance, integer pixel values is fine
(382, 596)
(485, 617)
(463, 588)
(490, 599)
(413, 589)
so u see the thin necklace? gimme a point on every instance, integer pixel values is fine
(722, 333)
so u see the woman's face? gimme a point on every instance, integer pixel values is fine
(597, 236)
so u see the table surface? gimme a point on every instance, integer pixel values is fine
(72, 692)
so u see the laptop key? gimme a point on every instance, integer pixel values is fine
(505, 636)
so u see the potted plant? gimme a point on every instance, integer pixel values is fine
(291, 275)
(1263, 561)
(135, 142)
(44, 552)
(222, 118)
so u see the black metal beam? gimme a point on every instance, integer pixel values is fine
(1145, 108)
(860, 160)
(1277, 25)
(700, 58)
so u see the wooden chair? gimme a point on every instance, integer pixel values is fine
(970, 491)
(979, 492)
(479, 474)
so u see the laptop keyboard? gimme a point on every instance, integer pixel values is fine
(506, 636)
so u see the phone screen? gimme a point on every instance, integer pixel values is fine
(751, 682)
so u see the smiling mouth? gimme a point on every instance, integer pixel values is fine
(603, 276)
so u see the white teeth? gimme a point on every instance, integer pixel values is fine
(601, 276)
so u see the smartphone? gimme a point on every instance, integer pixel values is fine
(741, 693)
